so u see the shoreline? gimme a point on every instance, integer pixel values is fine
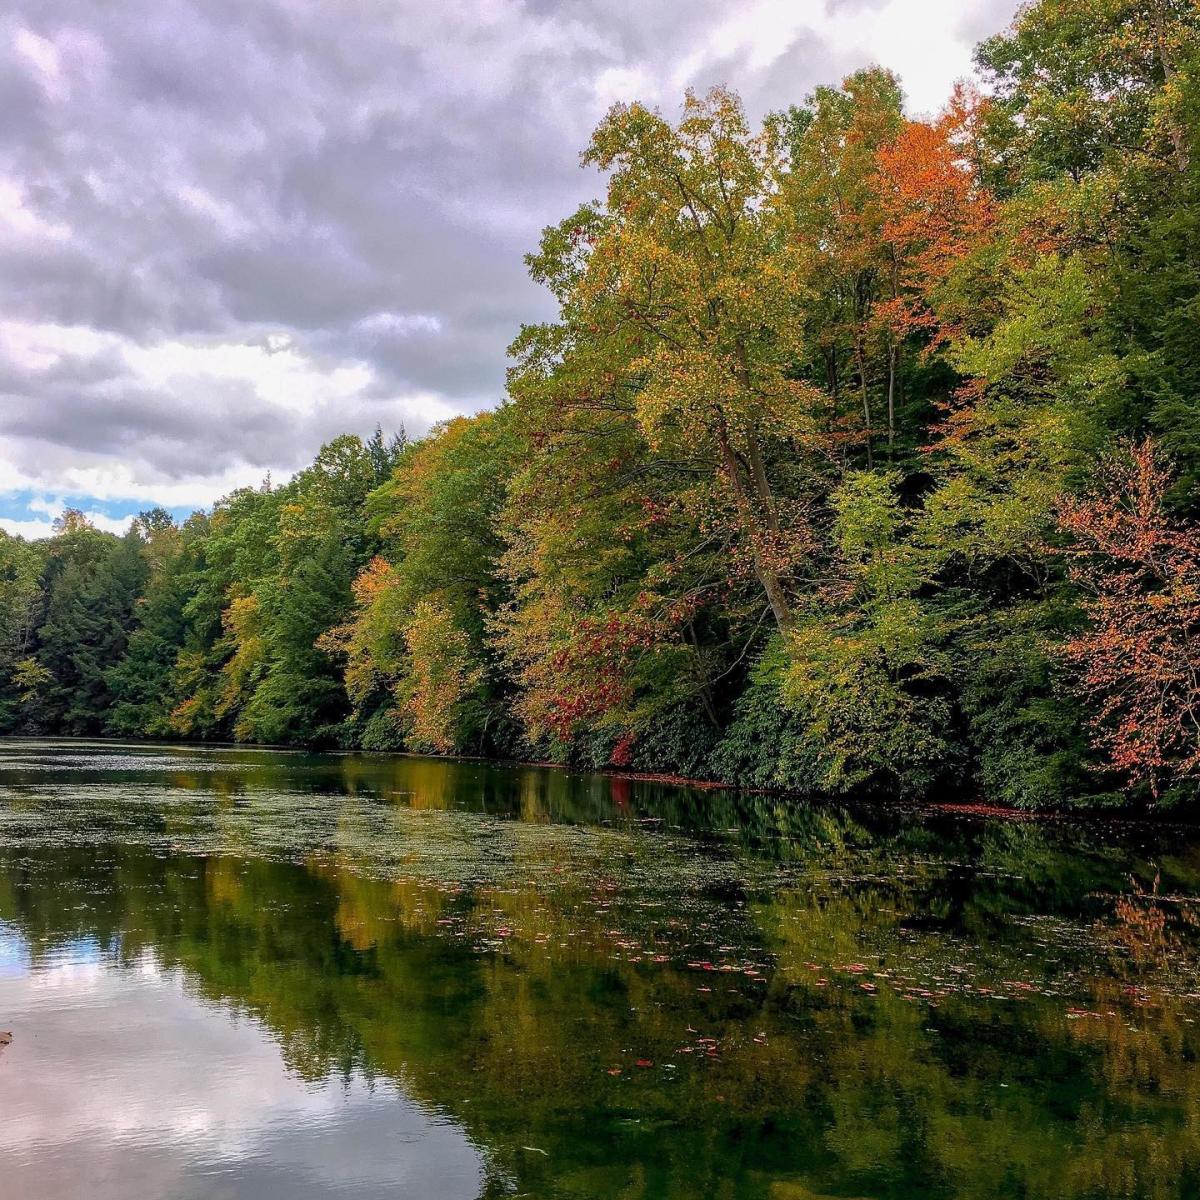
(978, 807)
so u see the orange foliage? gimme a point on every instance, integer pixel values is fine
(935, 210)
(1139, 661)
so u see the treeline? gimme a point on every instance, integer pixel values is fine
(864, 455)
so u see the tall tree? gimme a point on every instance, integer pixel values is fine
(92, 582)
(677, 294)
(20, 612)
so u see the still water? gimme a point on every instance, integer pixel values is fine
(235, 973)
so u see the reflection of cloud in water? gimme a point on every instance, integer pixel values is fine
(75, 968)
(14, 954)
(638, 992)
(120, 1082)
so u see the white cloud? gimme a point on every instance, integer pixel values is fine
(225, 244)
(33, 530)
(30, 530)
(229, 219)
(19, 221)
(923, 43)
(118, 391)
(283, 377)
(926, 42)
(43, 58)
(400, 323)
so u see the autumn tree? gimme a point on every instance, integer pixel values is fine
(831, 198)
(1139, 661)
(935, 213)
(415, 647)
(614, 561)
(677, 292)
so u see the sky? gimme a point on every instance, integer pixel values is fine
(233, 229)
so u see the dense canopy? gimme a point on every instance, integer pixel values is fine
(863, 455)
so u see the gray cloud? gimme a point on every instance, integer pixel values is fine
(361, 180)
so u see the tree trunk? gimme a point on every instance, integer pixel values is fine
(860, 359)
(892, 355)
(835, 391)
(1178, 135)
(767, 575)
(762, 487)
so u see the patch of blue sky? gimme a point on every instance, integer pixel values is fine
(31, 514)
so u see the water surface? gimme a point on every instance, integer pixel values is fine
(236, 973)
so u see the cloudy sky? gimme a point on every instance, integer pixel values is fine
(231, 229)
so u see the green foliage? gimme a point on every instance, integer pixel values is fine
(766, 744)
(143, 681)
(20, 612)
(778, 496)
(91, 582)
(1025, 734)
(863, 673)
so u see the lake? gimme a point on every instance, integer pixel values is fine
(241, 973)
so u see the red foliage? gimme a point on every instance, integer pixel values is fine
(622, 752)
(594, 670)
(1139, 662)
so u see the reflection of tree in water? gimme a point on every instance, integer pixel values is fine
(871, 1023)
(834, 1001)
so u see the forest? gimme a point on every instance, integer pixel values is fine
(862, 458)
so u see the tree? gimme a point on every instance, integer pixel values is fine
(1139, 661)
(418, 666)
(20, 612)
(226, 554)
(281, 683)
(935, 213)
(613, 563)
(92, 581)
(677, 293)
(440, 691)
(832, 196)
(385, 453)
(1082, 84)
(142, 682)
(1093, 130)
